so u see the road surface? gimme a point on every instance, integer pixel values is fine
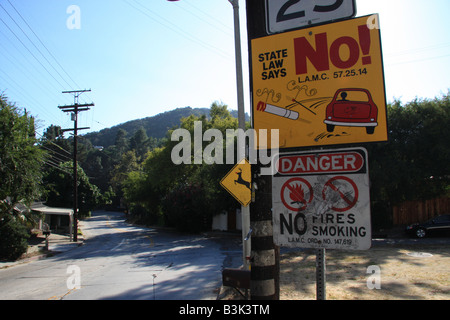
(122, 261)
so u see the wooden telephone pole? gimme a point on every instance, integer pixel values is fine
(75, 109)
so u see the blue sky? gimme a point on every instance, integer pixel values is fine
(143, 57)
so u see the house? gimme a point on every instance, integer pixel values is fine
(56, 218)
(227, 221)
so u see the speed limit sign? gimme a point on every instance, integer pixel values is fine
(284, 15)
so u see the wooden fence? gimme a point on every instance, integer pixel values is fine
(420, 211)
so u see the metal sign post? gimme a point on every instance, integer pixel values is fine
(245, 210)
(320, 275)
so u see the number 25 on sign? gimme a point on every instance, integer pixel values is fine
(283, 15)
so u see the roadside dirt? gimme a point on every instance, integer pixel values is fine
(407, 272)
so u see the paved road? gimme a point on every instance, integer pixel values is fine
(121, 261)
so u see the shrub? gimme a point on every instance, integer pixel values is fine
(187, 209)
(13, 239)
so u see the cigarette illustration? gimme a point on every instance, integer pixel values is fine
(278, 111)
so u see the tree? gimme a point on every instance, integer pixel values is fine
(186, 195)
(413, 164)
(20, 158)
(13, 237)
(20, 176)
(144, 189)
(59, 186)
(139, 142)
(127, 164)
(57, 147)
(121, 141)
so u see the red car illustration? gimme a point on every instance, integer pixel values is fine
(352, 107)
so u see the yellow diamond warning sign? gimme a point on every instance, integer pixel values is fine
(238, 182)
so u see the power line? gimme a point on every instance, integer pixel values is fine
(30, 52)
(418, 60)
(19, 89)
(228, 32)
(52, 143)
(418, 50)
(45, 58)
(166, 23)
(39, 39)
(22, 70)
(36, 47)
(58, 156)
(56, 167)
(25, 57)
(50, 161)
(208, 15)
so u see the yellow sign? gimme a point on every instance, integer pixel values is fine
(320, 86)
(238, 182)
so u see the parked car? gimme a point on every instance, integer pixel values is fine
(437, 224)
(352, 107)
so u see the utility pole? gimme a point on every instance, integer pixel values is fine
(75, 109)
(265, 269)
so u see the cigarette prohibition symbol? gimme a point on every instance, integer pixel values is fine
(344, 190)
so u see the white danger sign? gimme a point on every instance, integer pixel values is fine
(321, 199)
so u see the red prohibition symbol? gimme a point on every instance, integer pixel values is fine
(296, 193)
(346, 190)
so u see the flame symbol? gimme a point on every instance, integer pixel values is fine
(297, 194)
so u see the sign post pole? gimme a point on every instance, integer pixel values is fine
(245, 210)
(320, 275)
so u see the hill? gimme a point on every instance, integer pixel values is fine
(155, 126)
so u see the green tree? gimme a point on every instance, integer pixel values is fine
(121, 141)
(413, 164)
(139, 142)
(20, 175)
(57, 147)
(127, 164)
(59, 184)
(20, 158)
(145, 188)
(13, 237)
(186, 196)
